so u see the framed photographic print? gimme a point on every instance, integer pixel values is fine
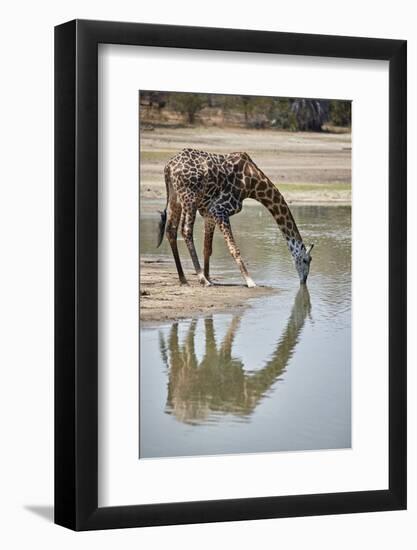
(230, 338)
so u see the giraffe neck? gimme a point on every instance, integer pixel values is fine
(259, 382)
(265, 192)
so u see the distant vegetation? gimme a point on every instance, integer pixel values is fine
(296, 114)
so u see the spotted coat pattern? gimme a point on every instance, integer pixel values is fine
(216, 185)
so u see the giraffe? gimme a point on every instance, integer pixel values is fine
(216, 185)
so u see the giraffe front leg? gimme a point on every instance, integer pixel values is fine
(226, 229)
(209, 227)
(187, 233)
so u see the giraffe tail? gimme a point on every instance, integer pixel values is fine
(161, 227)
(163, 220)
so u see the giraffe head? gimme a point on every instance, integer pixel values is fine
(302, 259)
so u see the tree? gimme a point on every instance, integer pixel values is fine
(188, 104)
(153, 99)
(310, 114)
(341, 112)
(281, 114)
(255, 109)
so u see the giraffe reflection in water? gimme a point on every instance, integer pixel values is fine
(219, 384)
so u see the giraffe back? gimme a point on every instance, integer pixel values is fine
(211, 180)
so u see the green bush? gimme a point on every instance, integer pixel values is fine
(188, 104)
(341, 112)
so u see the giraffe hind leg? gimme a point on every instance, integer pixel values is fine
(173, 220)
(187, 227)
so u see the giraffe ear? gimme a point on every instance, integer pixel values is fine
(309, 248)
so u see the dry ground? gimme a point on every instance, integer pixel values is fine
(306, 167)
(162, 298)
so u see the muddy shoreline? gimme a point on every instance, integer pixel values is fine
(162, 298)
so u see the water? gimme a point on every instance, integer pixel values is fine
(275, 377)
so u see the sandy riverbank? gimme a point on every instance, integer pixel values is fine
(162, 298)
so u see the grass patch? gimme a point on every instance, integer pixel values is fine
(156, 156)
(314, 187)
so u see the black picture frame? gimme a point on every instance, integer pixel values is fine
(76, 272)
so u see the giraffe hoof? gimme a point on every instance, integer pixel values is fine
(204, 282)
(250, 283)
(184, 283)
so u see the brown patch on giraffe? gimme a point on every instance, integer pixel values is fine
(247, 170)
(261, 186)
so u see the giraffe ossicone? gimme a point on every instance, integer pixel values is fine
(215, 186)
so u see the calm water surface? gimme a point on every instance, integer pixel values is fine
(275, 377)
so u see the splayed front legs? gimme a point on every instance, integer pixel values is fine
(177, 217)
